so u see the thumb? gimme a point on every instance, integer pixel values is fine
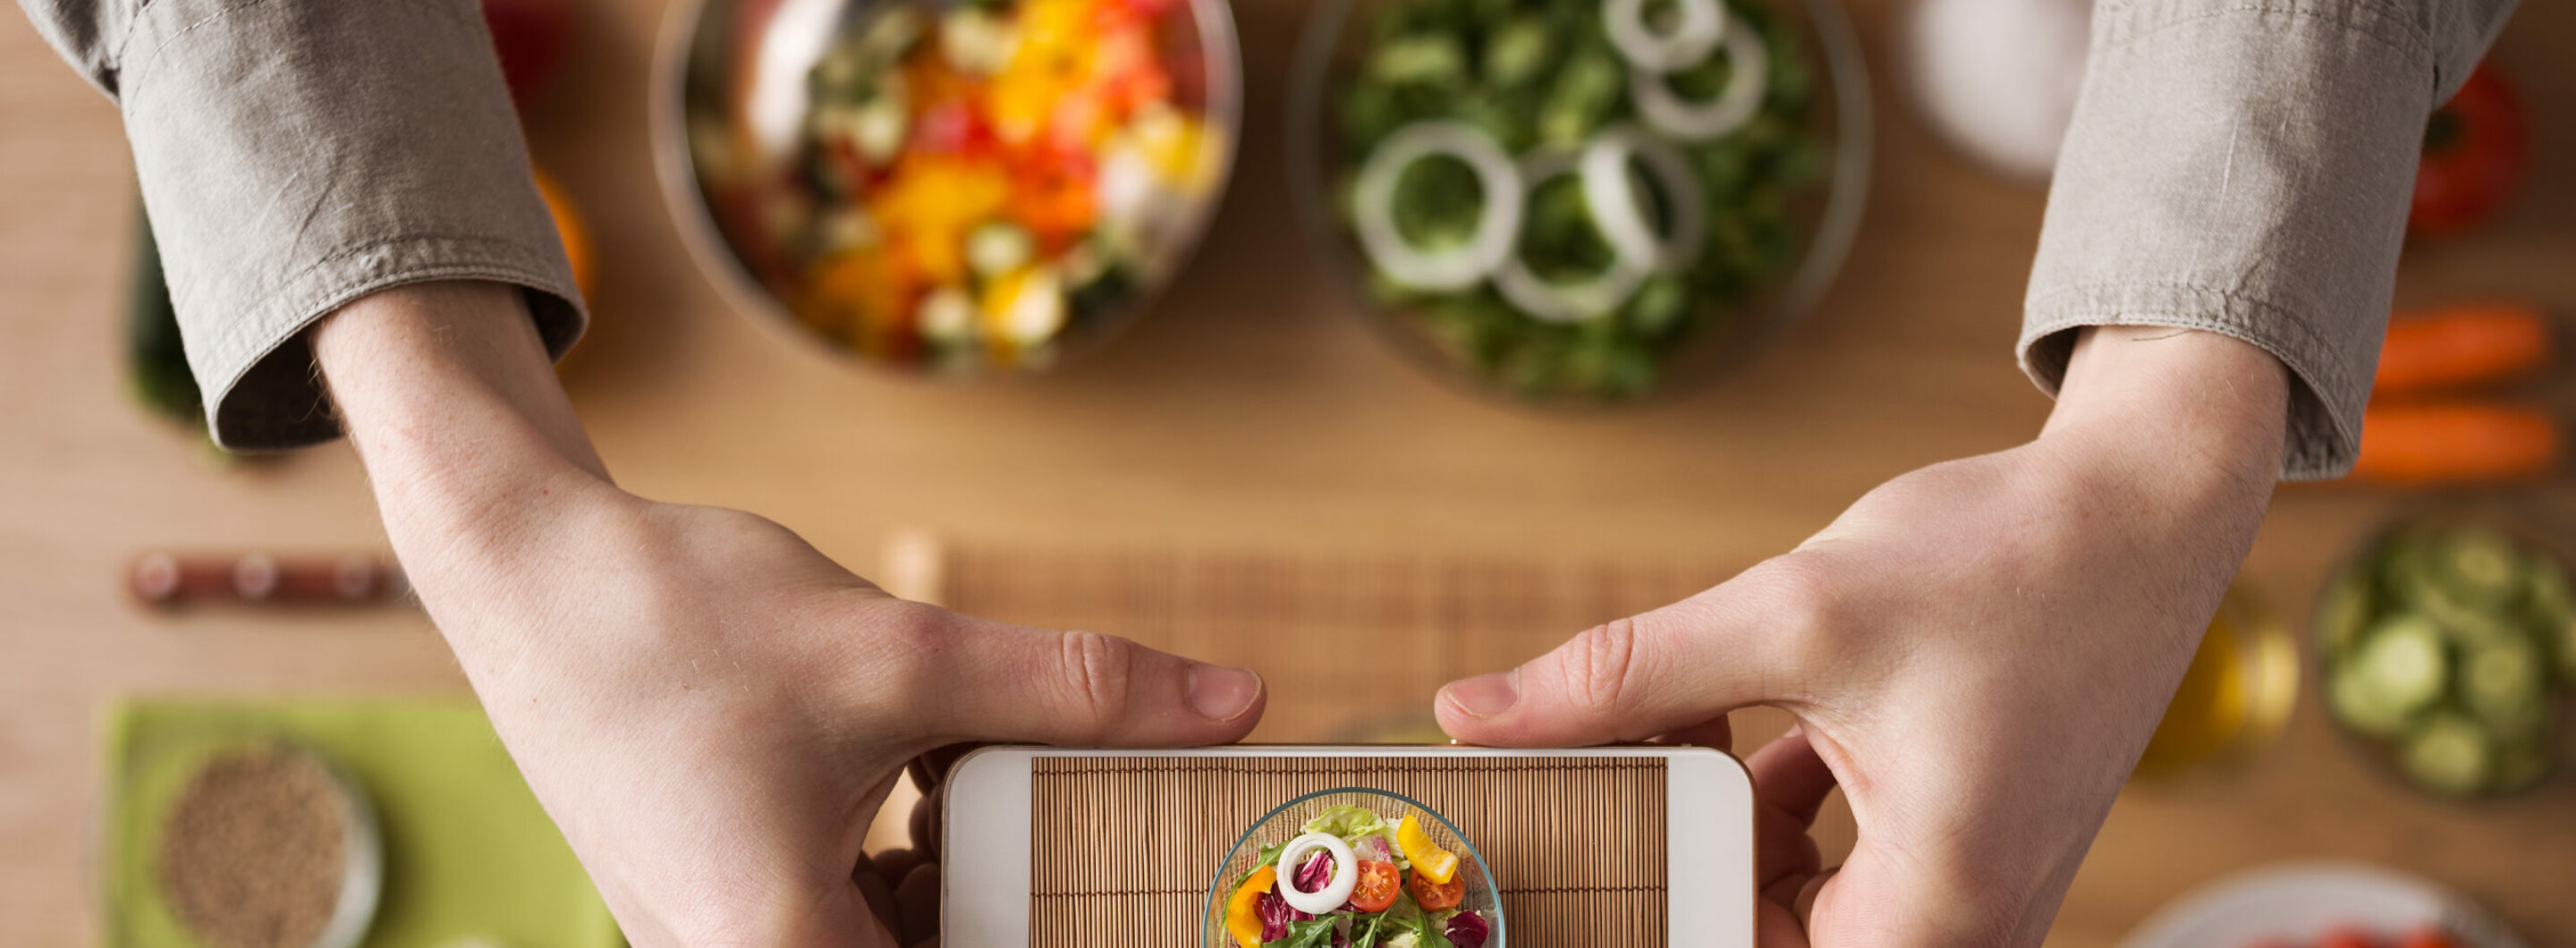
(1627, 680)
(991, 681)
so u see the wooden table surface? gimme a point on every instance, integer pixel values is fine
(1249, 411)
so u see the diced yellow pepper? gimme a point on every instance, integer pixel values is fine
(1243, 913)
(1434, 863)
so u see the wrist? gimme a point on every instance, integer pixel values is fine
(448, 397)
(2186, 421)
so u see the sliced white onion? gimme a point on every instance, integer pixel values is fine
(1346, 874)
(1619, 210)
(1549, 301)
(1747, 79)
(1703, 25)
(1498, 223)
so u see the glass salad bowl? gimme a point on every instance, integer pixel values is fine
(1581, 201)
(1372, 825)
(953, 187)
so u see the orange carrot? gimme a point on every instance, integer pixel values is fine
(2463, 344)
(2456, 443)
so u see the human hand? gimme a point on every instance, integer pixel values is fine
(711, 710)
(1976, 651)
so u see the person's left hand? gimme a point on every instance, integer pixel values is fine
(1976, 652)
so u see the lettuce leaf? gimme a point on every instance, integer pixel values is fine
(1348, 822)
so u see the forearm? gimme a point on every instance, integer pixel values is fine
(2175, 439)
(2244, 169)
(452, 405)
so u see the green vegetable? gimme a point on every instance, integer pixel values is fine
(1542, 74)
(1417, 929)
(2344, 612)
(2401, 665)
(1348, 822)
(2481, 564)
(1516, 52)
(2502, 683)
(2452, 642)
(1308, 933)
(2448, 754)
(2353, 702)
(1428, 60)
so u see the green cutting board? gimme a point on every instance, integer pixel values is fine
(469, 855)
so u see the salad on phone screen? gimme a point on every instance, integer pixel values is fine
(1352, 878)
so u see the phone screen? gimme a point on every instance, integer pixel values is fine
(1124, 850)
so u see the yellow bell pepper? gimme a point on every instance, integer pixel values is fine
(1242, 912)
(1434, 863)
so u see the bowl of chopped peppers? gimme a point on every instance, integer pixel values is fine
(948, 187)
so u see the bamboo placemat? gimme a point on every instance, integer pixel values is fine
(1124, 849)
(1353, 648)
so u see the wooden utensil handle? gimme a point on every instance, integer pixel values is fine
(170, 579)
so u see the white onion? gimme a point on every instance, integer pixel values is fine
(1703, 25)
(1346, 875)
(1619, 210)
(1748, 77)
(1498, 223)
(1552, 302)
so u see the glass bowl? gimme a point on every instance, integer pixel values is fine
(2488, 748)
(946, 187)
(1782, 191)
(1285, 822)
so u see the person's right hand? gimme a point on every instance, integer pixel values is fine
(711, 710)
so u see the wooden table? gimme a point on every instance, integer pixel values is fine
(1249, 411)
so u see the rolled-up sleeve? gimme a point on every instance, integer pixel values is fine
(295, 155)
(2244, 167)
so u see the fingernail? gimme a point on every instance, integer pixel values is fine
(1221, 693)
(1487, 695)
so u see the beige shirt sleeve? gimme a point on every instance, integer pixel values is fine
(2244, 167)
(298, 154)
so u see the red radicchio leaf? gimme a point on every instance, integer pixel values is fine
(1468, 930)
(1275, 914)
(1315, 873)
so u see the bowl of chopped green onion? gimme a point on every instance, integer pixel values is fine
(1581, 201)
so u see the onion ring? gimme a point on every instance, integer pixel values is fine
(1498, 224)
(1735, 105)
(1617, 208)
(1346, 874)
(1703, 25)
(1551, 302)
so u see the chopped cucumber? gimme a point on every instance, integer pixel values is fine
(2354, 703)
(2401, 664)
(2549, 594)
(2449, 753)
(2482, 564)
(2503, 683)
(2344, 612)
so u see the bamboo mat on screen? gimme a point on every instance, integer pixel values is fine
(1577, 844)
(1353, 648)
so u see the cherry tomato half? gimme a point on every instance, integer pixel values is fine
(1433, 896)
(1377, 886)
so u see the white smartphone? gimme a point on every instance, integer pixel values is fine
(1646, 847)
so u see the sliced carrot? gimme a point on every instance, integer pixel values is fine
(2456, 443)
(2461, 345)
